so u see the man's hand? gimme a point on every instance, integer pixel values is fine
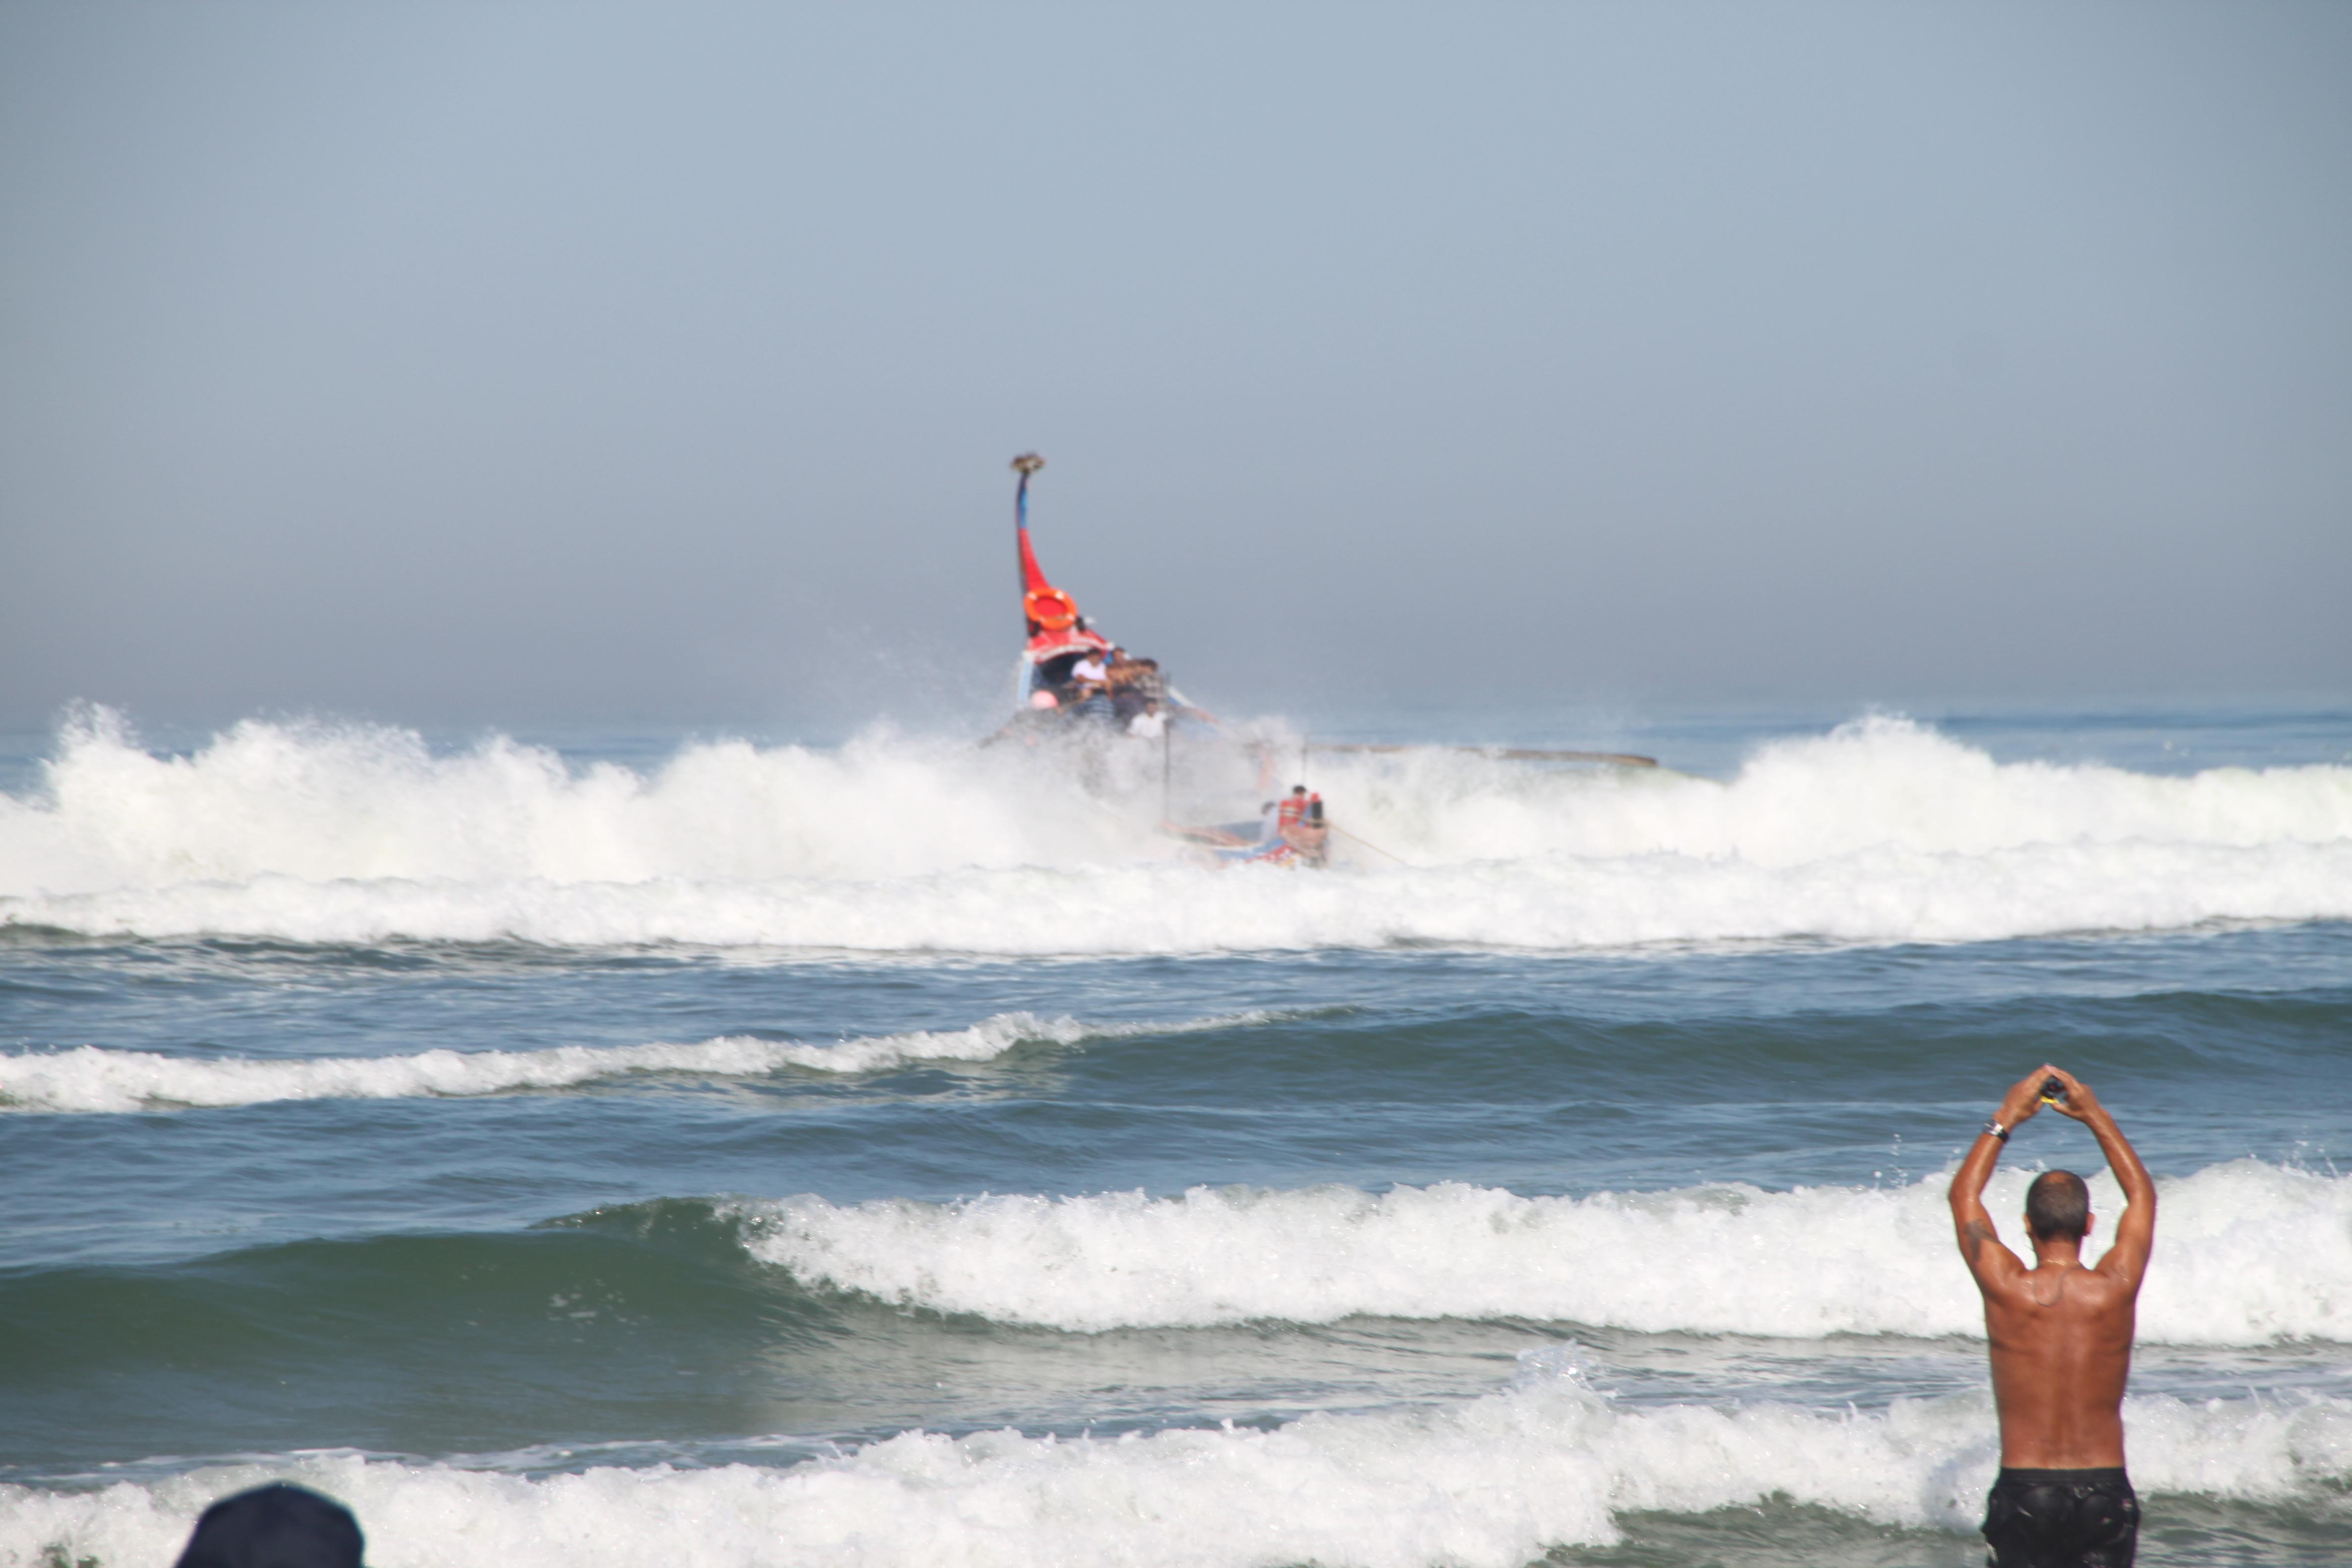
(2079, 1102)
(2025, 1098)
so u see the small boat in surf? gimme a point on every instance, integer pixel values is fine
(1290, 831)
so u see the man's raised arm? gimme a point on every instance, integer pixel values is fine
(2136, 1232)
(1991, 1263)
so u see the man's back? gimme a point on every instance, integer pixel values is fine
(2062, 1342)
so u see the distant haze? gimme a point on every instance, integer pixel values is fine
(493, 362)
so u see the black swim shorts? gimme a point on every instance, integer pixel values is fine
(2061, 1519)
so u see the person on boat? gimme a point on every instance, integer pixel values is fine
(1145, 681)
(1294, 832)
(1126, 684)
(1295, 820)
(1290, 831)
(1315, 833)
(1299, 822)
(1151, 686)
(1146, 723)
(1089, 679)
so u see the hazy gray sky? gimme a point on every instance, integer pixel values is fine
(494, 362)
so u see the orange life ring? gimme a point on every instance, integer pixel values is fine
(1053, 610)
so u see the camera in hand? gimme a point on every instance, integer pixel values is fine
(2053, 1089)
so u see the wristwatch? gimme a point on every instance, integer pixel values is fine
(1997, 1130)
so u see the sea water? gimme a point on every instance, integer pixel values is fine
(729, 1152)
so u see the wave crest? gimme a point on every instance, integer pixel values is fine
(1881, 831)
(2248, 1254)
(1491, 1483)
(94, 1078)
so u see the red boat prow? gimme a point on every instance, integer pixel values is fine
(1057, 634)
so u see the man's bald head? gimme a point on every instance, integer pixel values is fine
(2058, 1206)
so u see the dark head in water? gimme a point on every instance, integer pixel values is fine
(276, 1526)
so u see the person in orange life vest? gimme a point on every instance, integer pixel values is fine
(1301, 824)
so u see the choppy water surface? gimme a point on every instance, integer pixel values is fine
(891, 1152)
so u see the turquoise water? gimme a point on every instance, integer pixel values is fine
(881, 1151)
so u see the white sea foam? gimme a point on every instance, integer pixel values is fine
(1882, 831)
(1490, 1483)
(93, 1078)
(2248, 1254)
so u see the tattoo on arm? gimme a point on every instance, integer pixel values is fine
(1973, 1235)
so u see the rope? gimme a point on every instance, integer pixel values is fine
(1374, 848)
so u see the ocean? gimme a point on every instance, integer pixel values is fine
(628, 1147)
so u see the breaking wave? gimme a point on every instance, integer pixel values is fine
(1881, 831)
(2248, 1254)
(1489, 1483)
(94, 1078)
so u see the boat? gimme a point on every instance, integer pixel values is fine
(1057, 636)
(1291, 831)
(1073, 685)
(1070, 673)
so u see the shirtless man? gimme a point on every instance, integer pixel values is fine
(2061, 1336)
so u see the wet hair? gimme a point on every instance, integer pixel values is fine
(2058, 1206)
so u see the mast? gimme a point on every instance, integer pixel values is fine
(1026, 464)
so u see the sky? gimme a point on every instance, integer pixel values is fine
(503, 363)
